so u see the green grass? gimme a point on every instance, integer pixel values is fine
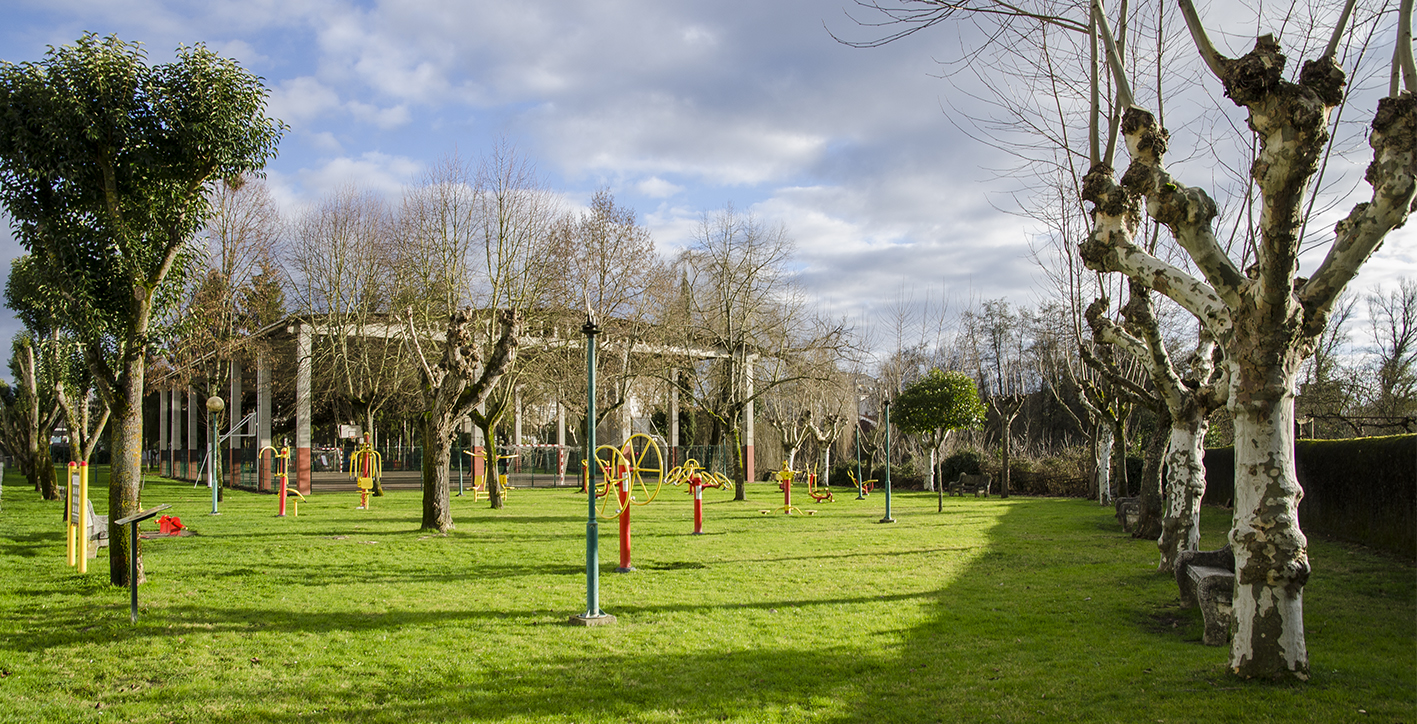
(1018, 610)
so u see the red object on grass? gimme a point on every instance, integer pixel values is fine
(169, 525)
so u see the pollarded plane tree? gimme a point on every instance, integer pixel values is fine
(1188, 396)
(1259, 310)
(813, 407)
(1266, 316)
(106, 163)
(435, 236)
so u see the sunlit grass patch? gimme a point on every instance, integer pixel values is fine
(1020, 610)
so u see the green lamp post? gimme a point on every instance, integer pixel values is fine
(593, 616)
(886, 420)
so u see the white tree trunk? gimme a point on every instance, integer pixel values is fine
(1103, 464)
(1271, 553)
(930, 480)
(1185, 486)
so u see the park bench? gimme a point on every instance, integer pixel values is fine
(1128, 512)
(98, 528)
(1207, 579)
(975, 484)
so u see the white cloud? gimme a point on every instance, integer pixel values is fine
(377, 172)
(384, 118)
(657, 188)
(300, 100)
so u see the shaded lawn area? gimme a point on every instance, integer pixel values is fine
(1019, 610)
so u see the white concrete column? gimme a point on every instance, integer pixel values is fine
(194, 453)
(235, 412)
(517, 417)
(164, 455)
(674, 423)
(304, 347)
(175, 440)
(263, 418)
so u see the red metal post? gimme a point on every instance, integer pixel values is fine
(624, 491)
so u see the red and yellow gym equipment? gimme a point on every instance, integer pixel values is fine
(698, 478)
(366, 467)
(625, 469)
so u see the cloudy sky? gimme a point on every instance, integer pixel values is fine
(678, 107)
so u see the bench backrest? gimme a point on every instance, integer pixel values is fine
(981, 479)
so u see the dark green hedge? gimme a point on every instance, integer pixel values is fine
(1362, 490)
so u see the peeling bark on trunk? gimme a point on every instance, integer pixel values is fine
(1271, 553)
(1151, 509)
(1185, 486)
(1102, 460)
(451, 390)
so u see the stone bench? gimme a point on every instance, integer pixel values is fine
(967, 483)
(1128, 512)
(1207, 580)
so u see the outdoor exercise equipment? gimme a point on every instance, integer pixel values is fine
(823, 495)
(479, 482)
(625, 469)
(864, 487)
(784, 483)
(698, 478)
(78, 525)
(366, 467)
(283, 472)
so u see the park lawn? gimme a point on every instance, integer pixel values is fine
(1013, 610)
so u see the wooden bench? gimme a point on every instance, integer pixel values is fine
(1207, 579)
(967, 483)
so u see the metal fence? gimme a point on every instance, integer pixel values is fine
(532, 466)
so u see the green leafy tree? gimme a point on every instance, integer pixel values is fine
(106, 164)
(933, 407)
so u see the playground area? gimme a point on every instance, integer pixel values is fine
(1021, 610)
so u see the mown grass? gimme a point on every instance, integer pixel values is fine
(1019, 610)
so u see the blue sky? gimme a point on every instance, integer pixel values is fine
(679, 108)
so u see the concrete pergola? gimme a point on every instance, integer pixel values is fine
(286, 348)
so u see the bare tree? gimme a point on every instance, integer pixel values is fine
(512, 269)
(344, 271)
(31, 412)
(1258, 309)
(1265, 317)
(611, 267)
(455, 383)
(1394, 351)
(739, 301)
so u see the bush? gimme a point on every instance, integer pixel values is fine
(902, 476)
(962, 462)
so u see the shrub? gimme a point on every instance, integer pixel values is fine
(965, 461)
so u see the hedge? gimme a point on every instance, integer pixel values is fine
(1362, 490)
